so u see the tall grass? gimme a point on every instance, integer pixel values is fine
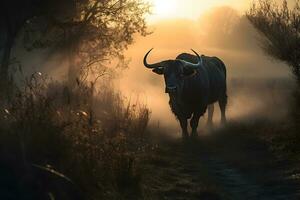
(93, 138)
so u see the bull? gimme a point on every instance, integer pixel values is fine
(194, 83)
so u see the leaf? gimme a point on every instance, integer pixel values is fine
(52, 171)
(6, 111)
(51, 196)
(84, 113)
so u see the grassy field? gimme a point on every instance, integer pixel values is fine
(235, 162)
(84, 143)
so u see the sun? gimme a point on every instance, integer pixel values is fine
(189, 9)
(163, 9)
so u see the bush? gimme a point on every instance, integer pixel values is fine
(96, 138)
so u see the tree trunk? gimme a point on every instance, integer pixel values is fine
(72, 50)
(72, 69)
(4, 70)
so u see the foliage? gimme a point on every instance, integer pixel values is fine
(90, 33)
(94, 138)
(280, 27)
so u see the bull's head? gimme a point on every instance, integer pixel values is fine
(174, 71)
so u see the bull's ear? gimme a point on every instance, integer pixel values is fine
(189, 71)
(158, 70)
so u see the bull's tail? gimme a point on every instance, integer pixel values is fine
(223, 68)
(225, 73)
(224, 98)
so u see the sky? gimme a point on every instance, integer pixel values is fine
(190, 9)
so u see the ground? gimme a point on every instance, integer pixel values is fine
(231, 164)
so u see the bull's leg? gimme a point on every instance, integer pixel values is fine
(194, 123)
(183, 125)
(210, 115)
(222, 104)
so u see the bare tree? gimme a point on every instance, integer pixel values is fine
(88, 32)
(92, 32)
(14, 15)
(218, 25)
(280, 27)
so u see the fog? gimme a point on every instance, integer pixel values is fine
(256, 83)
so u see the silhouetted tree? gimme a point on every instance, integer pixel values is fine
(14, 14)
(280, 26)
(88, 31)
(218, 25)
(92, 32)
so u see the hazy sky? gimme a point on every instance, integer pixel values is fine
(192, 9)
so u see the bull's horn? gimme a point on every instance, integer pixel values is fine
(192, 65)
(151, 66)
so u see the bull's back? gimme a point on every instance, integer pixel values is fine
(214, 71)
(209, 62)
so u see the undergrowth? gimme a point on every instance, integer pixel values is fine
(78, 143)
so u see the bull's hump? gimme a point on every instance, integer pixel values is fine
(188, 57)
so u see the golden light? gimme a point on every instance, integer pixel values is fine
(189, 9)
(164, 9)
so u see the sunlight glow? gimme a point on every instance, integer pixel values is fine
(189, 9)
(164, 9)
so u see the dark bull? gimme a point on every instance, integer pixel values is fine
(194, 83)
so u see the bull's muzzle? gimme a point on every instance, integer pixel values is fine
(171, 89)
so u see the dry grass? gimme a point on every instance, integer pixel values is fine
(95, 139)
(94, 144)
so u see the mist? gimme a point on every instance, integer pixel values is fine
(256, 84)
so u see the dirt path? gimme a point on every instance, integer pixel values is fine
(234, 166)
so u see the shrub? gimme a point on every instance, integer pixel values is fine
(95, 137)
